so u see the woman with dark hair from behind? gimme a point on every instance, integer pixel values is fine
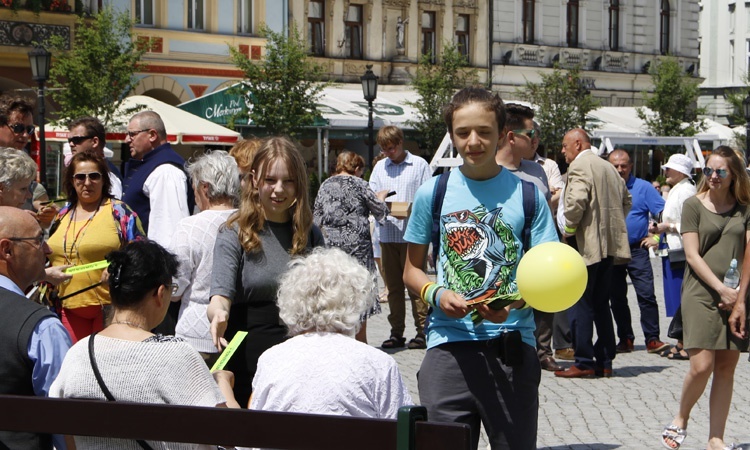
(342, 208)
(135, 364)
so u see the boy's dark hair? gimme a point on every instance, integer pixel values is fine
(137, 269)
(490, 101)
(516, 115)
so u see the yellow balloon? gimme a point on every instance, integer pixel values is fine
(551, 277)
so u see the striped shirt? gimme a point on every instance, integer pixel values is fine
(404, 178)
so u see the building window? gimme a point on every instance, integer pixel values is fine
(353, 30)
(244, 16)
(572, 31)
(664, 35)
(144, 12)
(462, 35)
(528, 21)
(747, 55)
(316, 27)
(428, 35)
(614, 25)
(732, 9)
(731, 60)
(195, 15)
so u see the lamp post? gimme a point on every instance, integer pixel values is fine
(39, 58)
(746, 112)
(370, 91)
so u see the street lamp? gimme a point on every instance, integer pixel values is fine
(370, 91)
(746, 111)
(39, 58)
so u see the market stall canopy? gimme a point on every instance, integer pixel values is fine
(341, 107)
(182, 126)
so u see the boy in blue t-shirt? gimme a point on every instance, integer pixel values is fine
(483, 369)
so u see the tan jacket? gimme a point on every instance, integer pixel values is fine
(596, 203)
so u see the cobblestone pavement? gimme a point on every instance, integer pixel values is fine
(627, 411)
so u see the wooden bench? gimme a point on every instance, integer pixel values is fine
(286, 431)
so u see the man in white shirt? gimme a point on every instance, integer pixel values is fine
(155, 183)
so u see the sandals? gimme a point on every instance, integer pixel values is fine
(394, 342)
(675, 435)
(677, 353)
(417, 343)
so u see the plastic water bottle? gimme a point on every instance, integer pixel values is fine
(732, 277)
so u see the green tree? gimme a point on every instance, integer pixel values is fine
(562, 104)
(283, 87)
(673, 102)
(435, 84)
(93, 77)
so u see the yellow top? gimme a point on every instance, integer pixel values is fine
(87, 239)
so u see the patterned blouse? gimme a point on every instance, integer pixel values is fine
(341, 211)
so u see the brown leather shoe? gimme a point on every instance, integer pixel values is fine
(603, 373)
(565, 354)
(548, 363)
(575, 372)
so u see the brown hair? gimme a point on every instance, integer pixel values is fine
(93, 128)
(10, 104)
(349, 162)
(101, 166)
(389, 135)
(491, 102)
(515, 115)
(244, 151)
(740, 186)
(250, 216)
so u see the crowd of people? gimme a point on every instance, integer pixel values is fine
(298, 275)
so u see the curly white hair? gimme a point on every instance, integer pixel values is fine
(327, 291)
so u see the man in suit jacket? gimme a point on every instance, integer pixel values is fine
(33, 342)
(596, 202)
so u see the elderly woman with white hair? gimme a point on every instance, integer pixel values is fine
(216, 186)
(17, 171)
(322, 369)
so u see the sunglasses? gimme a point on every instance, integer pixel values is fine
(93, 176)
(722, 173)
(530, 133)
(20, 128)
(78, 140)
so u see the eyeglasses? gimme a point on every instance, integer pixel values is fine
(722, 173)
(38, 239)
(20, 128)
(135, 133)
(78, 140)
(530, 133)
(93, 176)
(172, 287)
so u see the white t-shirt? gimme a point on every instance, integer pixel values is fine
(329, 373)
(166, 189)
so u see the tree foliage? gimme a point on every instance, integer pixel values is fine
(283, 88)
(93, 77)
(562, 103)
(673, 102)
(435, 84)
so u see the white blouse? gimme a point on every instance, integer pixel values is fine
(672, 213)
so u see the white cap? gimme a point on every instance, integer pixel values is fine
(681, 163)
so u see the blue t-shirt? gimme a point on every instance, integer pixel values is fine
(480, 244)
(646, 200)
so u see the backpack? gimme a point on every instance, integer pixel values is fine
(438, 195)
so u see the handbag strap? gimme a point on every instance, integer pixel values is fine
(103, 387)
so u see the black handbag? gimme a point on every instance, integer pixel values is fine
(676, 258)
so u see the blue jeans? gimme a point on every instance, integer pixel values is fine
(593, 310)
(642, 276)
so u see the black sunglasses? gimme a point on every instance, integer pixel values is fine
(19, 128)
(78, 140)
(93, 176)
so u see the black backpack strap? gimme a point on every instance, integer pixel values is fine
(438, 195)
(110, 398)
(529, 209)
